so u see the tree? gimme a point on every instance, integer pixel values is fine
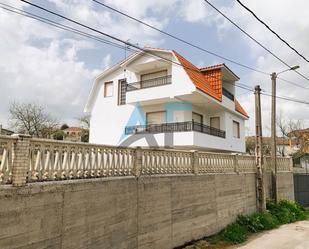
(30, 118)
(58, 135)
(64, 126)
(290, 128)
(85, 123)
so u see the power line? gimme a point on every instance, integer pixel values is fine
(94, 37)
(58, 25)
(252, 38)
(245, 87)
(287, 99)
(79, 32)
(178, 38)
(186, 42)
(271, 30)
(113, 37)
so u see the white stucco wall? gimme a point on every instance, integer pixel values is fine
(108, 119)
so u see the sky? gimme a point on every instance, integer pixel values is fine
(55, 68)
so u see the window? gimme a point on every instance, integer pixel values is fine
(122, 88)
(149, 76)
(108, 89)
(155, 118)
(197, 118)
(215, 122)
(236, 129)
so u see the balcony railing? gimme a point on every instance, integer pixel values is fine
(174, 127)
(160, 81)
(227, 94)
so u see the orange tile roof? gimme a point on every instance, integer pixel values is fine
(205, 82)
(74, 129)
(217, 66)
(197, 78)
(240, 109)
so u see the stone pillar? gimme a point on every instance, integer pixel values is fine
(137, 167)
(195, 166)
(20, 159)
(236, 168)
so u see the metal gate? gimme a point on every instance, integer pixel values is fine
(301, 189)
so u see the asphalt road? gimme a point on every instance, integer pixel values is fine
(291, 236)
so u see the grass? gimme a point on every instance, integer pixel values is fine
(283, 212)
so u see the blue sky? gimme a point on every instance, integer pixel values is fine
(54, 68)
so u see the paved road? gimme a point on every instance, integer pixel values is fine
(291, 236)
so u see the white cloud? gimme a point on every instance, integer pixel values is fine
(289, 20)
(107, 61)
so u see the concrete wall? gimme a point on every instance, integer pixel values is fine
(147, 212)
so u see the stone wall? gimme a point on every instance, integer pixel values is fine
(160, 212)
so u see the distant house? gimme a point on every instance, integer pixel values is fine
(300, 139)
(5, 131)
(73, 134)
(284, 145)
(166, 101)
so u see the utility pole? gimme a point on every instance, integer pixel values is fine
(273, 139)
(261, 203)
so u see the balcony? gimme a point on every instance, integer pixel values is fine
(160, 81)
(174, 127)
(227, 94)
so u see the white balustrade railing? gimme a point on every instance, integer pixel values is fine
(166, 162)
(215, 163)
(57, 160)
(6, 157)
(50, 160)
(246, 164)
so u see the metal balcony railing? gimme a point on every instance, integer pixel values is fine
(174, 127)
(227, 94)
(160, 81)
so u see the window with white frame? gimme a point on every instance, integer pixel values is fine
(236, 129)
(108, 89)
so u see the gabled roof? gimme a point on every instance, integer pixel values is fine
(196, 75)
(219, 66)
(239, 109)
(197, 78)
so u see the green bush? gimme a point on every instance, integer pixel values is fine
(286, 211)
(235, 233)
(258, 222)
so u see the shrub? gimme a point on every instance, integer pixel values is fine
(258, 221)
(286, 211)
(235, 233)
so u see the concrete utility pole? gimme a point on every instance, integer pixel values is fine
(273, 138)
(274, 168)
(261, 203)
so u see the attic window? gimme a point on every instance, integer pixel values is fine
(108, 89)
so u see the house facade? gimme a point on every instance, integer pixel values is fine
(158, 98)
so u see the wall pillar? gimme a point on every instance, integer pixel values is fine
(195, 164)
(21, 149)
(137, 167)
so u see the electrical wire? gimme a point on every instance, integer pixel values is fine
(252, 38)
(271, 30)
(68, 28)
(147, 52)
(179, 39)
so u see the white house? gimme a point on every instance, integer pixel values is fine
(158, 98)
